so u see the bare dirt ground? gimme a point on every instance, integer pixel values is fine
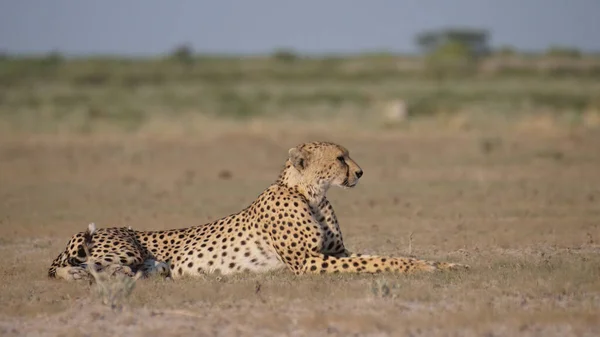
(523, 209)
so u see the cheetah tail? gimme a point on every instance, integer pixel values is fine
(87, 239)
(87, 244)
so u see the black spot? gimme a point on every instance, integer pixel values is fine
(80, 252)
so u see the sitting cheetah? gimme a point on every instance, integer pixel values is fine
(290, 225)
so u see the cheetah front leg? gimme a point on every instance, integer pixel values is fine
(320, 263)
(347, 253)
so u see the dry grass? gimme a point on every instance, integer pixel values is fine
(522, 208)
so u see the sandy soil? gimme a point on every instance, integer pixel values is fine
(523, 209)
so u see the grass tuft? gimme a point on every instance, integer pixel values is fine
(113, 288)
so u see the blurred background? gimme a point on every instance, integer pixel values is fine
(178, 67)
(475, 121)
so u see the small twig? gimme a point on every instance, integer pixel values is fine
(181, 313)
(410, 239)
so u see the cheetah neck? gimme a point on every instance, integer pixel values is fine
(291, 178)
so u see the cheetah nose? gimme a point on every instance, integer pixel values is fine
(359, 174)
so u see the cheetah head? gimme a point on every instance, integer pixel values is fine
(325, 164)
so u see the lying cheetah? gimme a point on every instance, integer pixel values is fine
(290, 225)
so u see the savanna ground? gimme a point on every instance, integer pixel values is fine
(509, 187)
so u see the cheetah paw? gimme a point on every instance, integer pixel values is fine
(78, 273)
(456, 266)
(117, 269)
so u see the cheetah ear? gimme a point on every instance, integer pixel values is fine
(298, 158)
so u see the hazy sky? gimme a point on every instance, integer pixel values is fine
(254, 26)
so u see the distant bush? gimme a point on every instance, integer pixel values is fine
(381, 54)
(53, 58)
(451, 59)
(284, 55)
(506, 51)
(560, 51)
(183, 54)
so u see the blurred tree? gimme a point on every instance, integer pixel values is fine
(476, 40)
(451, 59)
(284, 55)
(453, 51)
(183, 54)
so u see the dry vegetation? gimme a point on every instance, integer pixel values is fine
(53, 95)
(503, 175)
(522, 209)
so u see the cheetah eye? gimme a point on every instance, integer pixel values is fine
(340, 158)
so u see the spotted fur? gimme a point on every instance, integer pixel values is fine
(290, 225)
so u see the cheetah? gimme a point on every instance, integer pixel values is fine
(290, 225)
